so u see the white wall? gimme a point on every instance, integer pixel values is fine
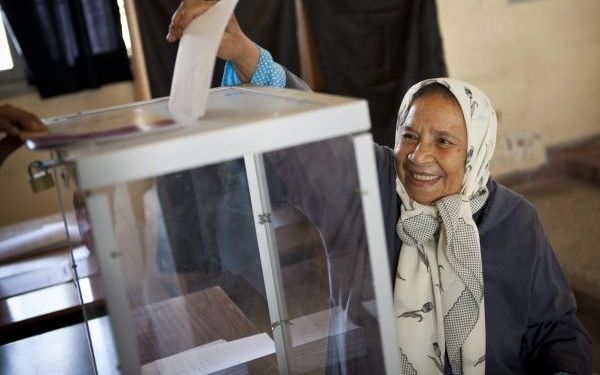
(538, 60)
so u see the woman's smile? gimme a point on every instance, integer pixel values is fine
(431, 151)
(426, 184)
(422, 177)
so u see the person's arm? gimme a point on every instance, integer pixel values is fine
(13, 121)
(556, 341)
(267, 73)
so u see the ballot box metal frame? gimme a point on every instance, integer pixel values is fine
(192, 146)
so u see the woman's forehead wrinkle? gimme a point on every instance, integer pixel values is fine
(444, 126)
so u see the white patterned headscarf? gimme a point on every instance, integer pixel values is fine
(438, 293)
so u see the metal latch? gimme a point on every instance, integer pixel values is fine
(40, 178)
(264, 218)
(277, 324)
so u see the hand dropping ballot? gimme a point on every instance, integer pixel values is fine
(196, 59)
(189, 94)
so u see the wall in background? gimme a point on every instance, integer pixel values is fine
(538, 60)
(17, 202)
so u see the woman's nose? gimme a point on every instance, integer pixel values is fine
(422, 154)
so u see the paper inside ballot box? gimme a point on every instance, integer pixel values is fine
(217, 358)
(311, 348)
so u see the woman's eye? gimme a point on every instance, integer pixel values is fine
(409, 136)
(445, 141)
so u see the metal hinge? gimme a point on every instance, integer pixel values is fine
(276, 324)
(264, 218)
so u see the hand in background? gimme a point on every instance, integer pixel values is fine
(13, 121)
(235, 45)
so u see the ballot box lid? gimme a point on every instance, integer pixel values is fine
(144, 139)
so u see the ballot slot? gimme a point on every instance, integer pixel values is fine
(151, 120)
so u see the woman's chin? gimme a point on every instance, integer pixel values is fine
(426, 198)
(424, 201)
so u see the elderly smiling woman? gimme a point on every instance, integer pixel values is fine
(445, 139)
(477, 288)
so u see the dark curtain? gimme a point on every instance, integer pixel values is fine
(68, 45)
(154, 17)
(376, 50)
(270, 23)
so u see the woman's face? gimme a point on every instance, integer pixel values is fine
(431, 152)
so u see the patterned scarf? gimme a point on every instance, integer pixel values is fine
(439, 291)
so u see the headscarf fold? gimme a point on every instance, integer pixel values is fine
(439, 291)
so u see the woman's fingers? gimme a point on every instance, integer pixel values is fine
(185, 14)
(174, 21)
(194, 9)
(15, 119)
(234, 45)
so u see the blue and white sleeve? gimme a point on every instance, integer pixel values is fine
(267, 73)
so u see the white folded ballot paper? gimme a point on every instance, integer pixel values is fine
(196, 59)
(217, 357)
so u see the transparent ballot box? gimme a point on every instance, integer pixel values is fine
(249, 241)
